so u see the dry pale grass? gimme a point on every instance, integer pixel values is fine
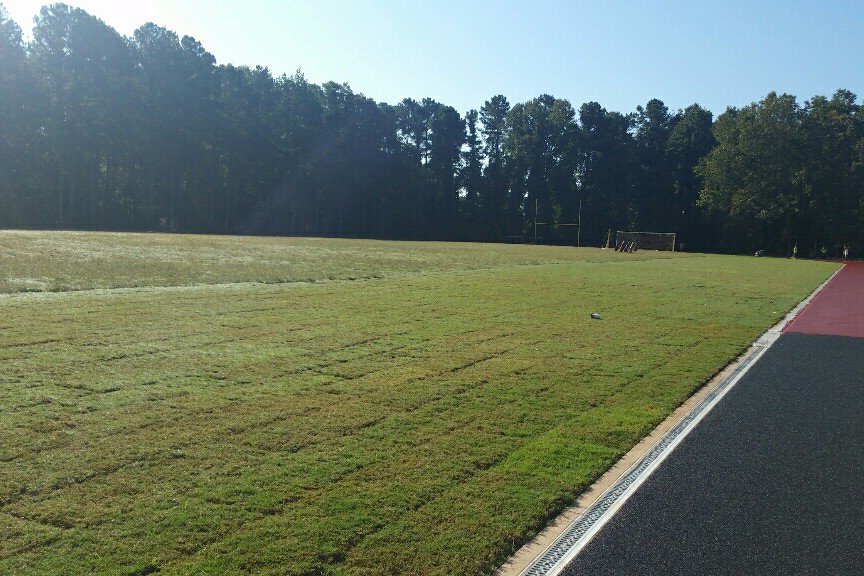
(71, 261)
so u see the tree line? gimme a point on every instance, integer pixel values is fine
(147, 133)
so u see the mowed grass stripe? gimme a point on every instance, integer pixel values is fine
(422, 424)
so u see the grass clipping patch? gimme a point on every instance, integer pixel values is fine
(419, 423)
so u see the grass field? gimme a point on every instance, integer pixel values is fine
(213, 405)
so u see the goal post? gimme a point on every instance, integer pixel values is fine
(646, 240)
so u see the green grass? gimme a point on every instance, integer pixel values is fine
(337, 407)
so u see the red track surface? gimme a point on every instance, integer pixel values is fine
(838, 310)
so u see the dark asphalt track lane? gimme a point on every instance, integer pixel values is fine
(771, 482)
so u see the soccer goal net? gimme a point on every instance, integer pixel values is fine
(631, 241)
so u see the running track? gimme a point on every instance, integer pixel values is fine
(771, 481)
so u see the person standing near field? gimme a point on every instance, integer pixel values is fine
(845, 251)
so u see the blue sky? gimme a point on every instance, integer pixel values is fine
(461, 53)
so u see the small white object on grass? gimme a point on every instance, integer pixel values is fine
(595, 316)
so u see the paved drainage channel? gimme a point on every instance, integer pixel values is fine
(555, 558)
